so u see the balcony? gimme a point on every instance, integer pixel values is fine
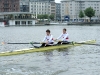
(17, 17)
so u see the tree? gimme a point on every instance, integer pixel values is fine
(11, 16)
(40, 16)
(51, 17)
(89, 12)
(45, 16)
(81, 14)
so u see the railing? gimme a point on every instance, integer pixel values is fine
(16, 18)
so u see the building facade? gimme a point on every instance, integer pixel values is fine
(24, 5)
(42, 8)
(53, 8)
(58, 11)
(9, 6)
(72, 8)
(14, 5)
(42, 0)
(17, 18)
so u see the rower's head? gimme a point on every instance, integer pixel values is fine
(48, 32)
(64, 30)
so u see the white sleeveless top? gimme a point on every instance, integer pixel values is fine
(64, 37)
(48, 38)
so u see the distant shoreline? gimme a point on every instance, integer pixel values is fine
(69, 24)
(83, 23)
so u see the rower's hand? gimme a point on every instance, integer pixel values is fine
(31, 42)
(47, 42)
(55, 40)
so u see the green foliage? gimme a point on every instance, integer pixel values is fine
(51, 17)
(45, 16)
(89, 12)
(81, 14)
(11, 16)
(42, 16)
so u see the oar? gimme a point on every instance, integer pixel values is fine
(87, 44)
(17, 43)
(24, 43)
(79, 43)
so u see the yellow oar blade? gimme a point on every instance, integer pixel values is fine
(3, 43)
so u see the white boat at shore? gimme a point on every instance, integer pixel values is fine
(57, 23)
(2, 24)
(64, 23)
(54, 23)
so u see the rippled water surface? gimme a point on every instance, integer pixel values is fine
(80, 60)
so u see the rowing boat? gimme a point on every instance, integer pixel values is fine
(30, 50)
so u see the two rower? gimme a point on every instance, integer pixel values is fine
(48, 39)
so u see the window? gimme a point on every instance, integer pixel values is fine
(17, 22)
(29, 22)
(23, 22)
(97, 4)
(62, 4)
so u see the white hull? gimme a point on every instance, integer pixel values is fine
(2, 24)
(54, 23)
(64, 23)
(58, 23)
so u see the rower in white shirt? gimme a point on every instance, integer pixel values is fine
(48, 39)
(64, 36)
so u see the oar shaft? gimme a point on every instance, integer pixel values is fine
(26, 43)
(88, 44)
(18, 43)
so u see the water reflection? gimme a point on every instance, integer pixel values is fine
(48, 55)
(59, 52)
(64, 51)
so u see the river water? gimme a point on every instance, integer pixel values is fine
(80, 60)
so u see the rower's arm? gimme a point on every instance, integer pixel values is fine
(44, 39)
(65, 37)
(59, 36)
(51, 38)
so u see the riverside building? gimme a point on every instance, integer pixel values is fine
(58, 11)
(9, 6)
(16, 18)
(42, 7)
(72, 8)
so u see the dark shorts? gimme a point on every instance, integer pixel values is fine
(63, 42)
(45, 45)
